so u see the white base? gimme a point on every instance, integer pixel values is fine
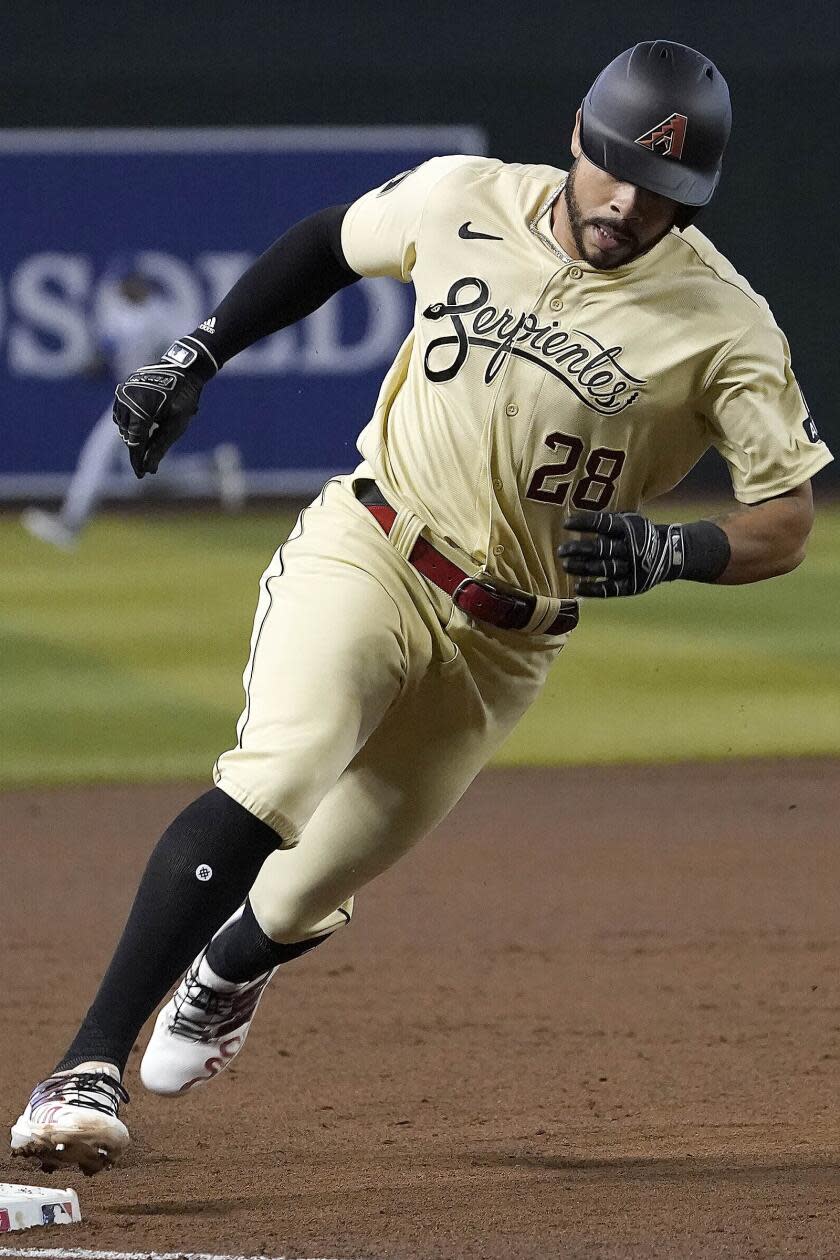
(22, 1207)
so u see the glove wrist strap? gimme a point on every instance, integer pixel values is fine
(705, 551)
(191, 353)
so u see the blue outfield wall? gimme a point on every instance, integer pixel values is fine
(196, 207)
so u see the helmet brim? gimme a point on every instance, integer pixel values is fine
(633, 164)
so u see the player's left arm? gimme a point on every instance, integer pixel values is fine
(624, 553)
(758, 421)
(768, 539)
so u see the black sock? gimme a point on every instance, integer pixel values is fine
(200, 871)
(243, 951)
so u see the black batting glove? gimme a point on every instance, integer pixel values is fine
(156, 403)
(626, 554)
(622, 553)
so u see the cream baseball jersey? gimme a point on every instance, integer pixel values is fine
(532, 383)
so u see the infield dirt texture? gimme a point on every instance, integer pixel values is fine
(596, 1014)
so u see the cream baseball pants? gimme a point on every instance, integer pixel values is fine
(371, 703)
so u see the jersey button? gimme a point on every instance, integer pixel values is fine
(497, 483)
(511, 410)
(498, 550)
(575, 273)
(556, 304)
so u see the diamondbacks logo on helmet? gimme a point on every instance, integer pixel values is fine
(666, 138)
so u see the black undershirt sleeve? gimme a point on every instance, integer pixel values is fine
(291, 279)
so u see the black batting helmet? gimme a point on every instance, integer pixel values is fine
(659, 116)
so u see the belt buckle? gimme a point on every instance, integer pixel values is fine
(515, 614)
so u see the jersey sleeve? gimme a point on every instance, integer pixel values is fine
(758, 417)
(380, 230)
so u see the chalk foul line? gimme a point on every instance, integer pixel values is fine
(75, 1253)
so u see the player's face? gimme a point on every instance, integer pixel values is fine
(609, 221)
(135, 288)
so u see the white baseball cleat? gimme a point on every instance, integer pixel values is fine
(200, 1030)
(72, 1119)
(49, 528)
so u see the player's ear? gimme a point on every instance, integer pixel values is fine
(575, 145)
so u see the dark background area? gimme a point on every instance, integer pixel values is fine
(518, 70)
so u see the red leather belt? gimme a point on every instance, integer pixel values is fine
(478, 597)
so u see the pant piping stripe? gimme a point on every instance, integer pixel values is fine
(296, 533)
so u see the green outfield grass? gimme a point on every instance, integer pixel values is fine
(123, 660)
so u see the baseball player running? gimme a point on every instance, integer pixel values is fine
(576, 347)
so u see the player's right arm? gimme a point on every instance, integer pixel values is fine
(374, 236)
(300, 271)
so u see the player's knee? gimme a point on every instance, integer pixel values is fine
(289, 919)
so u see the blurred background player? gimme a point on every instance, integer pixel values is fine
(131, 323)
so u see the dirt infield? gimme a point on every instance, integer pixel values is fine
(597, 1014)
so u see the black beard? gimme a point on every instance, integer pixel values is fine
(573, 212)
(577, 223)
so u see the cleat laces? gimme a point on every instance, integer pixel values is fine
(219, 1013)
(96, 1090)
